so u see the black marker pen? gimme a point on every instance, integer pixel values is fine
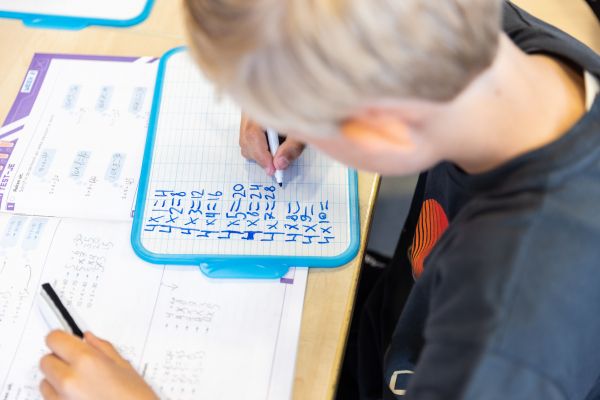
(60, 311)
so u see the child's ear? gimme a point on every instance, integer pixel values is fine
(380, 131)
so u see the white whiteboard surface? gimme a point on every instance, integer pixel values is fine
(119, 10)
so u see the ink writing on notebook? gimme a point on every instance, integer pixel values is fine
(239, 212)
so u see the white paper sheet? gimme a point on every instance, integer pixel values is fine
(189, 336)
(80, 149)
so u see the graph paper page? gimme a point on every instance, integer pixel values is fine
(203, 197)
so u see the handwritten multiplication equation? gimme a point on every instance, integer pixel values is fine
(250, 212)
(83, 271)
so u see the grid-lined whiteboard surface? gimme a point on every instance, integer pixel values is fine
(102, 9)
(204, 198)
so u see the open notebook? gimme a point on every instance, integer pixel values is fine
(200, 203)
(76, 14)
(189, 336)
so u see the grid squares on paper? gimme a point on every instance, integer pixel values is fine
(196, 157)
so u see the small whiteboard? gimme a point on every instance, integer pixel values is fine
(76, 14)
(201, 203)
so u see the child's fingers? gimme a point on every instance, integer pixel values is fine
(288, 151)
(47, 391)
(104, 347)
(55, 370)
(65, 345)
(254, 145)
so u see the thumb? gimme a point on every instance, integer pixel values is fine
(104, 347)
(287, 153)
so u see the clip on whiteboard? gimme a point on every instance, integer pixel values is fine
(69, 15)
(201, 203)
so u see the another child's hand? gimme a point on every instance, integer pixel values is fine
(254, 146)
(90, 369)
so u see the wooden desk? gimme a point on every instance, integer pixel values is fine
(330, 293)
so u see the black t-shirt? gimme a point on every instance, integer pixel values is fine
(595, 5)
(508, 302)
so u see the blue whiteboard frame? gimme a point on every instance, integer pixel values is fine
(75, 23)
(229, 266)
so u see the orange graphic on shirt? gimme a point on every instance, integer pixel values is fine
(432, 223)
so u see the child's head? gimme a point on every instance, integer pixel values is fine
(312, 67)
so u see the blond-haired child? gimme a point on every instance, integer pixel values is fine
(501, 114)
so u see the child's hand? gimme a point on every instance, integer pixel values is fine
(90, 369)
(254, 146)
